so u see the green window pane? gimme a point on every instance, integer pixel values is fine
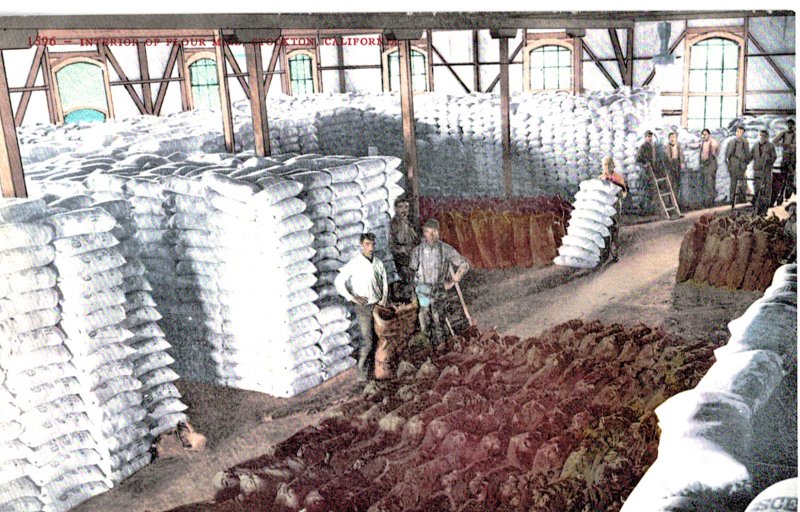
(204, 83)
(697, 81)
(731, 54)
(85, 115)
(729, 79)
(730, 107)
(714, 82)
(81, 85)
(301, 74)
(419, 71)
(699, 57)
(714, 68)
(551, 67)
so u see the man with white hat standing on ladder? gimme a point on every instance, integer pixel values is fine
(431, 263)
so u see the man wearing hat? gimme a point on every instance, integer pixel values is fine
(404, 237)
(432, 262)
(788, 142)
(363, 282)
(737, 155)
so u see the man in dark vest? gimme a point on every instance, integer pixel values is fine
(737, 156)
(764, 157)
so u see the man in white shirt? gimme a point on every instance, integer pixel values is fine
(363, 282)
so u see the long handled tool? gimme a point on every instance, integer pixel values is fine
(463, 304)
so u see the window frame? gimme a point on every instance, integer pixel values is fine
(95, 61)
(314, 68)
(573, 44)
(698, 36)
(189, 59)
(385, 67)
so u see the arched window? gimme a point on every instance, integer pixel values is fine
(83, 94)
(204, 82)
(713, 88)
(550, 68)
(85, 115)
(301, 72)
(419, 70)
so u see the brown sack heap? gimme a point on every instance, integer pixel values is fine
(394, 326)
(740, 252)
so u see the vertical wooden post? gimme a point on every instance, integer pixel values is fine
(743, 92)
(186, 85)
(224, 94)
(12, 178)
(429, 59)
(629, 55)
(144, 74)
(505, 104)
(258, 98)
(285, 79)
(318, 63)
(47, 77)
(409, 129)
(476, 67)
(340, 63)
(577, 65)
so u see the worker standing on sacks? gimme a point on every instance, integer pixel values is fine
(363, 282)
(431, 263)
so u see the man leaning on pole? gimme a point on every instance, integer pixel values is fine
(432, 262)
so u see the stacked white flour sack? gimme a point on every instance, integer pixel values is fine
(91, 271)
(588, 224)
(52, 451)
(161, 399)
(256, 287)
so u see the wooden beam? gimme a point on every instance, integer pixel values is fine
(340, 63)
(743, 92)
(623, 69)
(12, 177)
(105, 50)
(429, 59)
(186, 103)
(224, 94)
(162, 88)
(599, 64)
(672, 47)
(513, 56)
(36, 65)
(476, 67)
(577, 66)
(47, 76)
(258, 98)
(144, 75)
(772, 64)
(273, 61)
(237, 70)
(505, 121)
(450, 68)
(409, 129)
(318, 62)
(629, 57)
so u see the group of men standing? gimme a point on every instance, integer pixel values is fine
(738, 155)
(426, 269)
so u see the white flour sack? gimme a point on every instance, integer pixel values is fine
(16, 236)
(81, 222)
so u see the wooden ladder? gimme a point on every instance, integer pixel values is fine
(665, 192)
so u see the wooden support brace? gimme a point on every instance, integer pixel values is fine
(12, 178)
(258, 98)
